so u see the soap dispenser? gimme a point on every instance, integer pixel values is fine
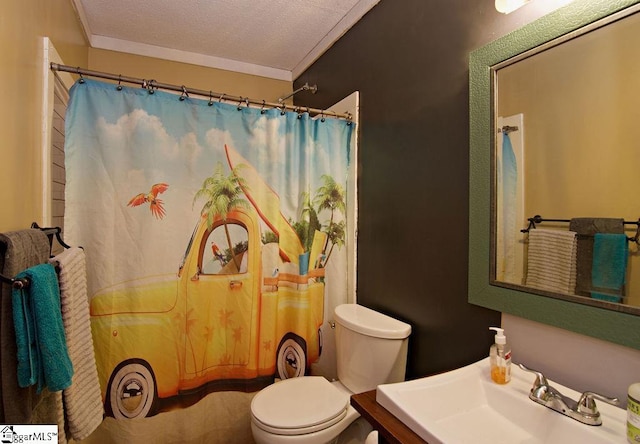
(500, 358)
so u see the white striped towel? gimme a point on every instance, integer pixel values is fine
(551, 260)
(83, 406)
(62, 437)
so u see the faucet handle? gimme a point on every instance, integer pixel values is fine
(587, 404)
(540, 378)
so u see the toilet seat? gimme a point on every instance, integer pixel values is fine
(299, 406)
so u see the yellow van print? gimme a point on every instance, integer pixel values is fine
(232, 318)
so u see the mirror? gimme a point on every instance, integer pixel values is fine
(556, 181)
(566, 148)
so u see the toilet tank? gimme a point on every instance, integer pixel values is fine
(371, 348)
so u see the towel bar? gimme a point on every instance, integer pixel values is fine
(15, 283)
(538, 219)
(50, 232)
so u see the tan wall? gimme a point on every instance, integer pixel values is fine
(581, 128)
(23, 24)
(198, 77)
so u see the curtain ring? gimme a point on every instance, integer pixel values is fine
(81, 79)
(240, 104)
(283, 110)
(262, 110)
(184, 93)
(221, 97)
(119, 87)
(349, 121)
(322, 119)
(210, 98)
(297, 111)
(150, 86)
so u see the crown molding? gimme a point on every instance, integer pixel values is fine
(143, 49)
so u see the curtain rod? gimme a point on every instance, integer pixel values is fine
(507, 129)
(305, 87)
(152, 85)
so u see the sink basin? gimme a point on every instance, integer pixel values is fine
(465, 406)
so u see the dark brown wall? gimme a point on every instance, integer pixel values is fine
(409, 60)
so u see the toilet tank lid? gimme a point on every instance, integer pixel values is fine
(370, 323)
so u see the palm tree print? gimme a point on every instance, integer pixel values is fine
(336, 234)
(225, 359)
(225, 323)
(223, 195)
(208, 336)
(237, 337)
(267, 348)
(178, 319)
(330, 196)
(189, 323)
(309, 223)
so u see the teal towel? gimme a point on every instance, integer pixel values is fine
(610, 253)
(42, 353)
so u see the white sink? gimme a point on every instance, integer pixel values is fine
(465, 406)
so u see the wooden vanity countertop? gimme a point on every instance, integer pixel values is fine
(390, 429)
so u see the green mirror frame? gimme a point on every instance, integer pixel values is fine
(609, 325)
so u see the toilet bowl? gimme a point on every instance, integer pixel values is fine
(312, 410)
(305, 410)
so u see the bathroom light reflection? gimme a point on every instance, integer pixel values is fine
(507, 6)
(546, 6)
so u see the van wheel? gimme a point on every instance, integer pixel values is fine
(132, 391)
(291, 359)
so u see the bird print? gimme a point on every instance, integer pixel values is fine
(156, 205)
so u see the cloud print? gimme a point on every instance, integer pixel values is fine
(266, 138)
(190, 149)
(141, 130)
(216, 139)
(140, 141)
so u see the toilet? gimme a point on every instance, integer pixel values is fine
(371, 349)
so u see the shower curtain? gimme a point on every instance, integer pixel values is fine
(213, 234)
(508, 178)
(510, 216)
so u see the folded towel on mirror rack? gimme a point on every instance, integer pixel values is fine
(551, 260)
(41, 346)
(608, 274)
(586, 228)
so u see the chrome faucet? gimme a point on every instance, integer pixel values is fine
(584, 410)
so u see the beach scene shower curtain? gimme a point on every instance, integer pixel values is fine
(214, 234)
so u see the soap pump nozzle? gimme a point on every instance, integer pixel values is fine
(500, 337)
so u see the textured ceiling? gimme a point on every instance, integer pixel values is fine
(277, 38)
